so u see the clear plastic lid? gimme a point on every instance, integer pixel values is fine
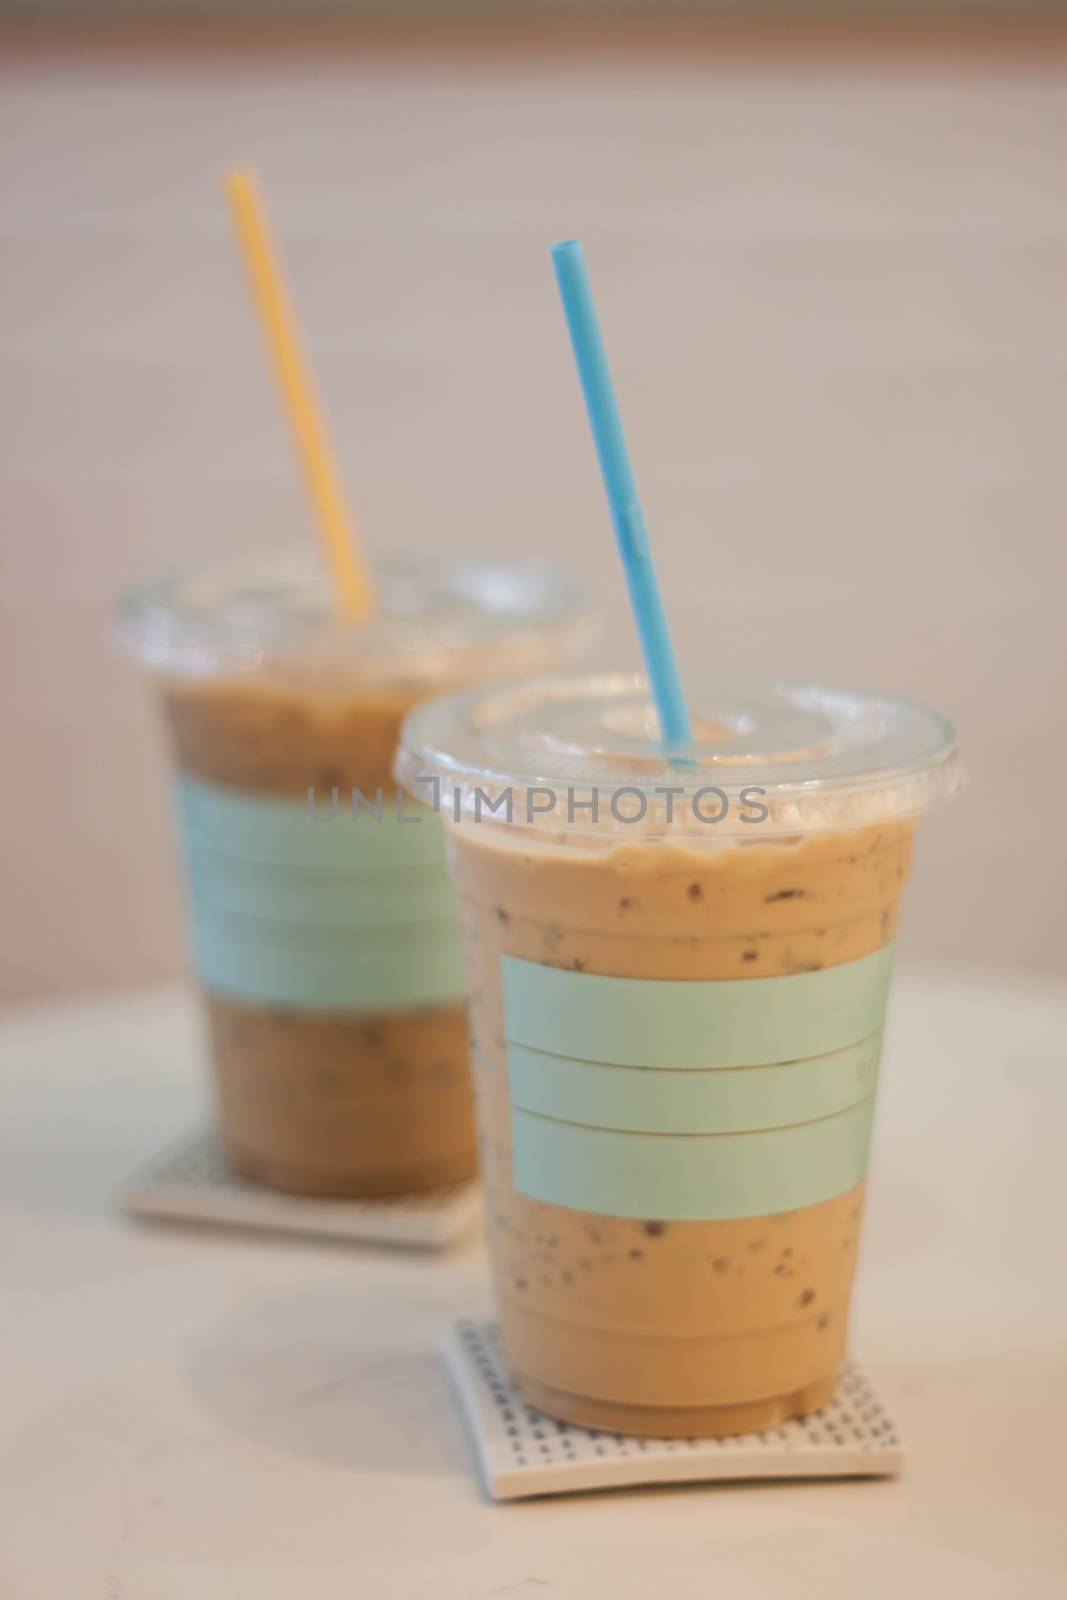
(435, 621)
(770, 756)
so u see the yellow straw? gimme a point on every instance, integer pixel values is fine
(280, 330)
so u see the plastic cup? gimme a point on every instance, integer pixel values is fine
(323, 919)
(677, 1004)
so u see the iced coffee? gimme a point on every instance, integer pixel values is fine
(677, 1015)
(323, 920)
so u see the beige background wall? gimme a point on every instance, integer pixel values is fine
(836, 297)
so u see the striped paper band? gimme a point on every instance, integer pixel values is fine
(337, 915)
(692, 1101)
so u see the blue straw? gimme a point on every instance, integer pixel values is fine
(630, 530)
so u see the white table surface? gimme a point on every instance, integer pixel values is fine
(192, 1416)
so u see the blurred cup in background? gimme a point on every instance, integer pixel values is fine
(322, 915)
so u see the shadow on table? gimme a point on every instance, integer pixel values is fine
(343, 1376)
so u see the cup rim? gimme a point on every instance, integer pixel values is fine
(276, 606)
(862, 758)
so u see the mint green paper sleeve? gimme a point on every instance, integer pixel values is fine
(335, 915)
(690, 1178)
(739, 1022)
(692, 1100)
(666, 1100)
